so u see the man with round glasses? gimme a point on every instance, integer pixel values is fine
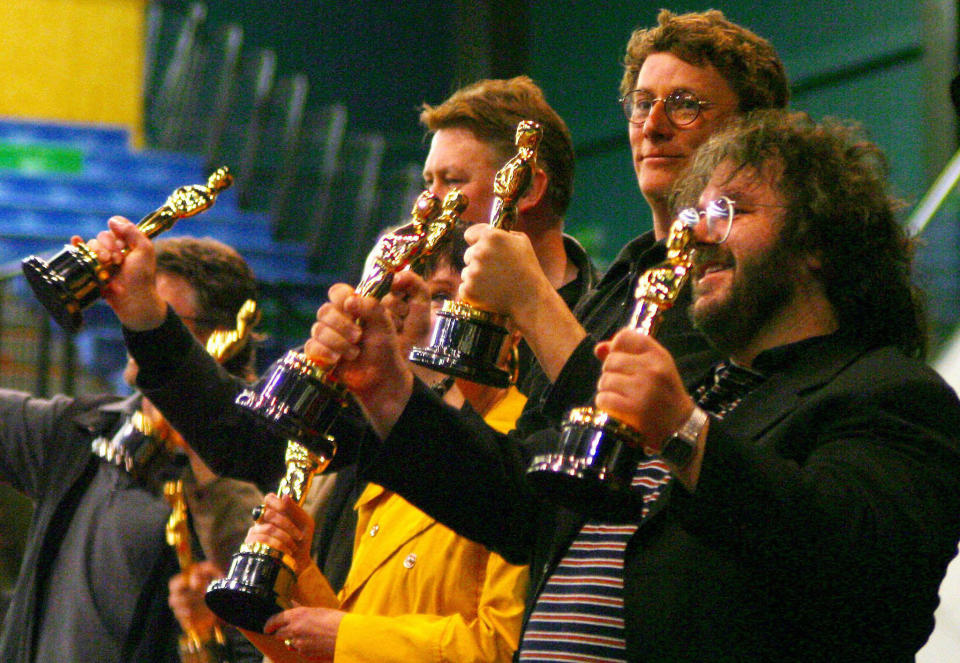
(819, 506)
(682, 80)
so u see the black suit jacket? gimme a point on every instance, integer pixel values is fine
(827, 510)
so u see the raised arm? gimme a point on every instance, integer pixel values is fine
(504, 275)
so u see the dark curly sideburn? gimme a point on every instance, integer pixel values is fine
(839, 208)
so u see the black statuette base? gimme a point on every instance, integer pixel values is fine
(297, 404)
(65, 285)
(257, 587)
(465, 348)
(591, 472)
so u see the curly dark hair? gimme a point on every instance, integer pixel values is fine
(222, 282)
(745, 60)
(833, 182)
(492, 108)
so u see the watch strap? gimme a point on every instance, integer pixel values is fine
(680, 448)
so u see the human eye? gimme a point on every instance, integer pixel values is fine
(722, 208)
(683, 107)
(742, 205)
(642, 104)
(438, 298)
(685, 102)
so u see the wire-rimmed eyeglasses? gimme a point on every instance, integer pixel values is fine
(681, 107)
(717, 217)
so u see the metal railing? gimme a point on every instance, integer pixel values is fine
(41, 376)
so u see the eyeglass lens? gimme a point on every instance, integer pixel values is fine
(718, 218)
(681, 107)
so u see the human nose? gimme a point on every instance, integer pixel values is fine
(697, 221)
(657, 121)
(438, 189)
(701, 230)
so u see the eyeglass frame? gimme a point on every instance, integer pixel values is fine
(701, 104)
(691, 216)
(686, 215)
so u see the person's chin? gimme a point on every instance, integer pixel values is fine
(657, 181)
(709, 296)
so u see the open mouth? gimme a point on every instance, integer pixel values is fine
(707, 268)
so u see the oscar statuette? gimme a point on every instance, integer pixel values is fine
(195, 647)
(70, 281)
(192, 646)
(466, 341)
(592, 468)
(222, 345)
(261, 578)
(300, 400)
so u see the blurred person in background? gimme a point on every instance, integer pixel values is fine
(93, 582)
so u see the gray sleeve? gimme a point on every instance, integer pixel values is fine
(28, 429)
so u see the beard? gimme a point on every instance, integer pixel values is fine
(760, 289)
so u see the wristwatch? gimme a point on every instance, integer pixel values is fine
(680, 447)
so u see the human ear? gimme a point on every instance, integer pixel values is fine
(536, 192)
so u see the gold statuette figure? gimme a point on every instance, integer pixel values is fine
(223, 345)
(466, 341)
(593, 466)
(71, 280)
(403, 245)
(514, 178)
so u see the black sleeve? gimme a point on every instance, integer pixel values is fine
(453, 466)
(196, 395)
(853, 499)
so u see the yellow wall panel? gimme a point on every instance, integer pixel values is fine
(74, 60)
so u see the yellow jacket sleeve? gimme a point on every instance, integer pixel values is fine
(491, 635)
(313, 589)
